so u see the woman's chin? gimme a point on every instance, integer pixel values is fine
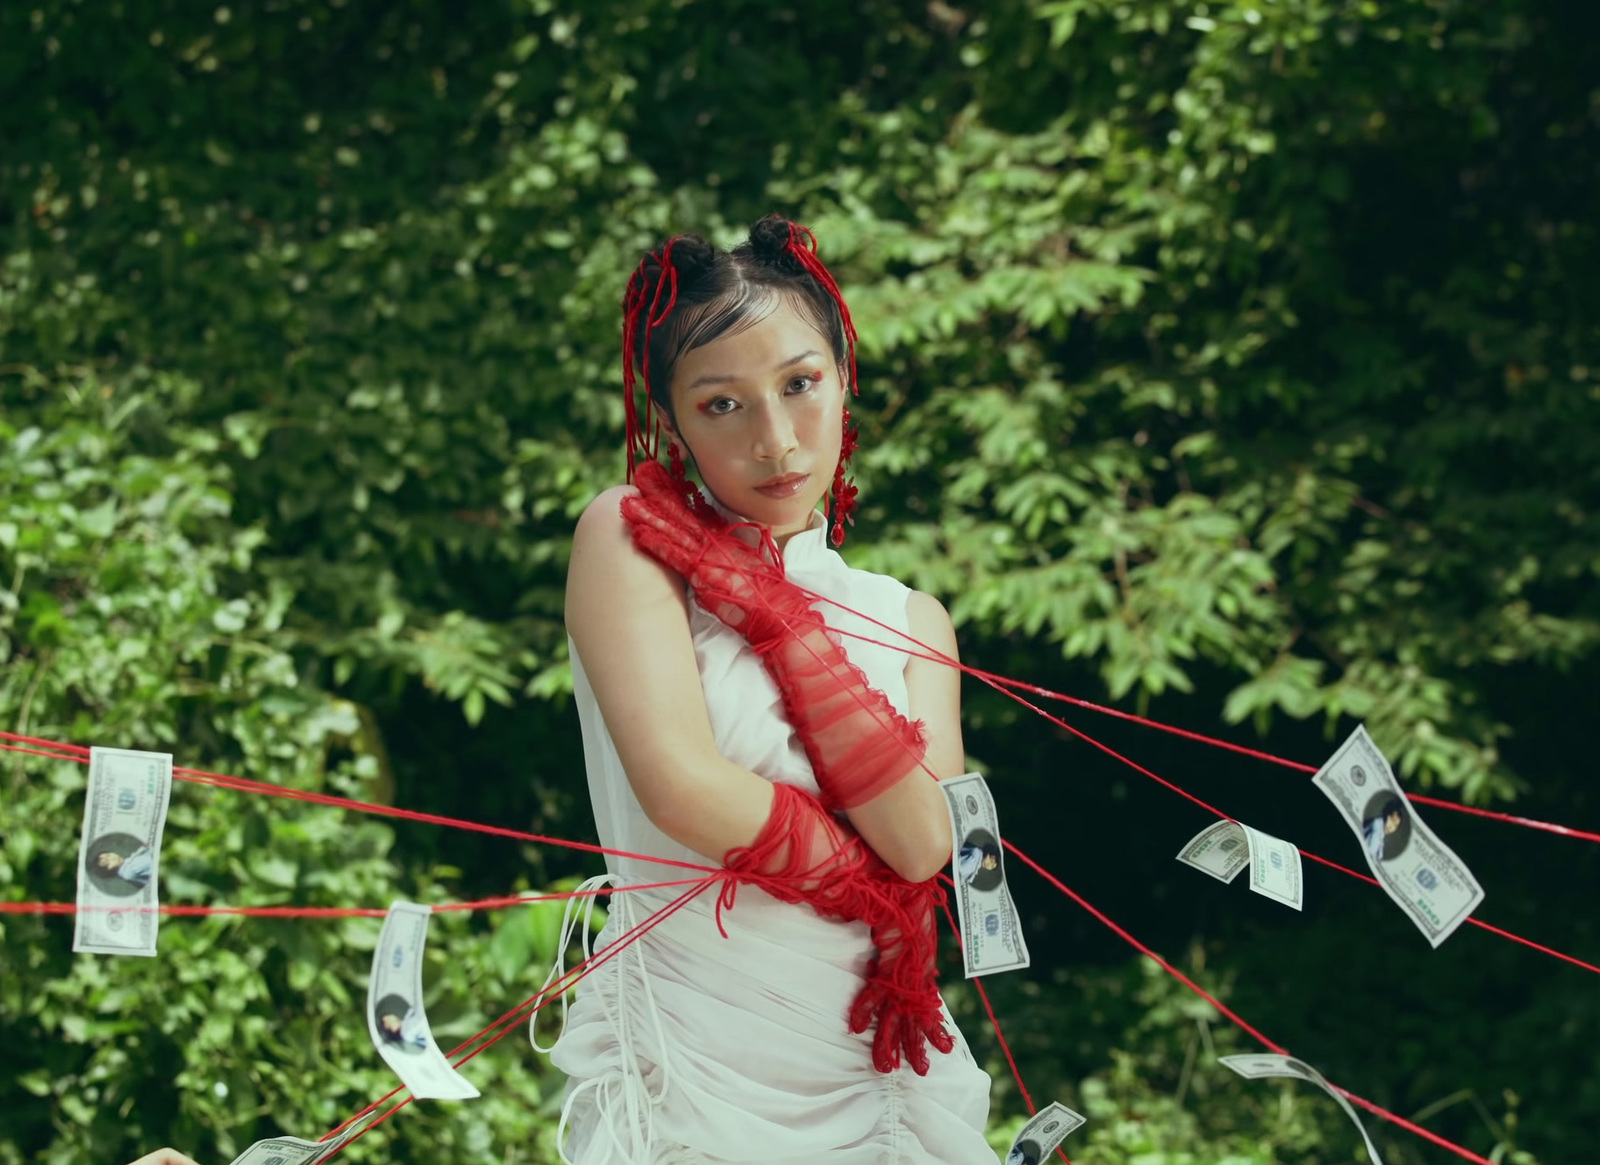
(785, 514)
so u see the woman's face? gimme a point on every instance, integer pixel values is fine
(761, 413)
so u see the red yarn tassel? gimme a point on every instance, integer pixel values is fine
(644, 436)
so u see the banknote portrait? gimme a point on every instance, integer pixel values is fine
(399, 1023)
(1385, 826)
(978, 861)
(119, 864)
(1024, 1153)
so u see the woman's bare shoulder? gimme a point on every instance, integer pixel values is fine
(629, 620)
(608, 574)
(602, 518)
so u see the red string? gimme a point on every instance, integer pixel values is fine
(242, 784)
(1000, 683)
(994, 1021)
(803, 246)
(639, 432)
(245, 785)
(253, 786)
(1238, 1020)
(1242, 750)
(997, 683)
(511, 1019)
(542, 996)
(1332, 865)
(330, 911)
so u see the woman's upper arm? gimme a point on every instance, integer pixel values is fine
(934, 689)
(628, 617)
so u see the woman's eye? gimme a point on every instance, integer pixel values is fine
(803, 383)
(720, 406)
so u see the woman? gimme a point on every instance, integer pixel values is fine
(727, 721)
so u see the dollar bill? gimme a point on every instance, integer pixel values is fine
(991, 930)
(294, 1151)
(1275, 870)
(1220, 849)
(1422, 874)
(119, 853)
(1256, 1066)
(395, 1018)
(1045, 1130)
(1227, 847)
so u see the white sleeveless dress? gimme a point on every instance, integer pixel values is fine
(688, 1048)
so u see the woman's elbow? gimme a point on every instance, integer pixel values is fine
(920, 858)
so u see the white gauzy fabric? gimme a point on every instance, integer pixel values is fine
(689, 1048)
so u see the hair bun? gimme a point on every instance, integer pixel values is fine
(769, 242)
(692, 256)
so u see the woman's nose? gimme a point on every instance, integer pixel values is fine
(774, 436)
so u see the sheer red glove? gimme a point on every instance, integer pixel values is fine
(858, 743)
(804, 855)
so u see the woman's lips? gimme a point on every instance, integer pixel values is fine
(784, 487)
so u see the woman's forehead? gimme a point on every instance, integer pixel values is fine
(755, 347)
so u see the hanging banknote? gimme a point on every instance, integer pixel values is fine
(1226, 847)
(1254, 1067)
(119, 852)
(395, 1018)
(1415, 868)
(294, 1151)
(1045, 1130)
(991, 931)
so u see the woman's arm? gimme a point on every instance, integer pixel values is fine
(909, 824)
(629, 618)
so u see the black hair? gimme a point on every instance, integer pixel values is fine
(395, 1005)
(721, 291)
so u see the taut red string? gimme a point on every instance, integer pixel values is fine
(245, 785)
(1222, 1008)
(182, 911)
(1000, 682)
(994, 1022)
(536, 1002)
(79, 754)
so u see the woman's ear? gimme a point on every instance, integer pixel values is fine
(668, 430)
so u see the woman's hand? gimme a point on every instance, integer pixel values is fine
(165, 1157)
(731, 579)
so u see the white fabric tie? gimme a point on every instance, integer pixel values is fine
(624, 1103)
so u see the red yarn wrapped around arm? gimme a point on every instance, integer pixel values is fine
(859, 745)
(804, 855)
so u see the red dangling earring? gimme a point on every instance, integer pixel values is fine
(842, 497)
(676, 470)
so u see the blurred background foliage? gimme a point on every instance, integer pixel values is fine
(1236, 361)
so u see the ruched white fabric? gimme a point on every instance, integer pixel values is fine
(688, 1048)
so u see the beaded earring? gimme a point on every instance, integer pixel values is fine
(842, 495)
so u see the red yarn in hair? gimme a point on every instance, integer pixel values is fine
(644, 433)
(803, 246)
(644, 437)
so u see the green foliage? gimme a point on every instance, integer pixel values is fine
(1242, 352)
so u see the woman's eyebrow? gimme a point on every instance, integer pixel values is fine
(729, 378)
